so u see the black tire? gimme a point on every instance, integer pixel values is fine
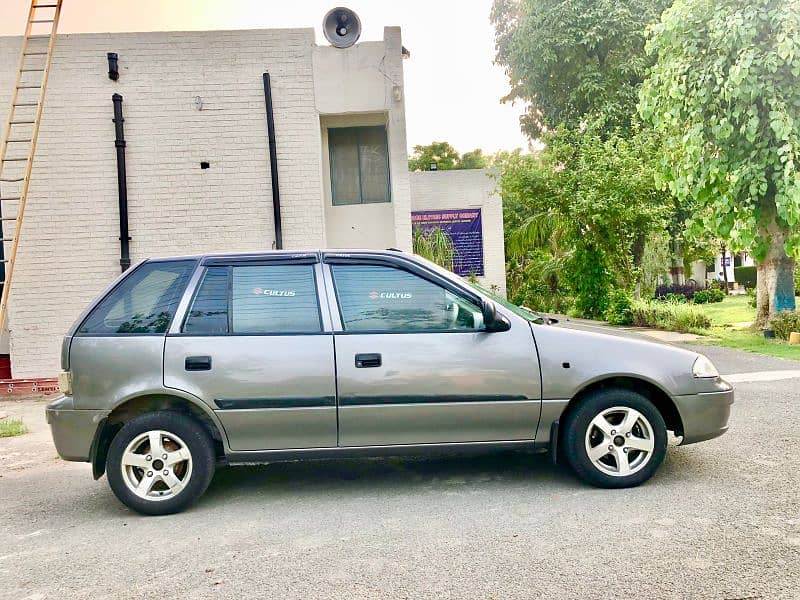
(197, 441)
(578, 421)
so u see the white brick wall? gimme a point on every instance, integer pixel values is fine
(472, 188)
(69, 248)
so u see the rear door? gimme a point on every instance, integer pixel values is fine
(415, 365)
(255, 344)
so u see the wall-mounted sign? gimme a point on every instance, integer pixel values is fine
(465, 228)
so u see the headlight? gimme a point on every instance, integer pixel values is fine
(704, 368)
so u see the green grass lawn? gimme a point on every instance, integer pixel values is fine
(11, 427)
(736, 310)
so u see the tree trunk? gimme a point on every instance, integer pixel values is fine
(552, 281)
(762, 297)
(777, 272)
(676, 261)
(725, 268)
(637, 250)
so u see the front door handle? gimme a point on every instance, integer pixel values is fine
(198, 363)
(367, 361)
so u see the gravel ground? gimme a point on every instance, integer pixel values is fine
(720, 520)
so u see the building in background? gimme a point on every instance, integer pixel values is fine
(465, 203)
(703, 274)
(198, 168)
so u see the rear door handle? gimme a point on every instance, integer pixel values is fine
(367, 361)
(198, 363)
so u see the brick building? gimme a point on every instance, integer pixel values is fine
(197, 159)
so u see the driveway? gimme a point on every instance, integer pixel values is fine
(720, 520)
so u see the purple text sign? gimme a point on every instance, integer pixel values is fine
(465, 228)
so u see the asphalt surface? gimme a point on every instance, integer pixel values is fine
(720, 520)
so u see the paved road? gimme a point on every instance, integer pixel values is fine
(720, 520)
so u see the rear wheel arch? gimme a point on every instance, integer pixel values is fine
(656, 395)
(146, 403)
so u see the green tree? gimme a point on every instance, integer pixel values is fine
(473, 160)
(446, 158)
(502, 157)
(442, 153)
(725, 96)
(590, 201)
(574, 60)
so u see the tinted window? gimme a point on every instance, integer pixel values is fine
(359, 165)
(209, 311)
(144, 302)
(377, 298)
(275, 299)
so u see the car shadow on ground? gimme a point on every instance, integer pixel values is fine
(358, 476)
(389, 475)
(300, 481)
(352, 478)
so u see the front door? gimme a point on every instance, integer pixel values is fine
(254, 347)
(415, 366)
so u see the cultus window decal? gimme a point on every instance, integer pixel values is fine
(391, 295)
(267, 292)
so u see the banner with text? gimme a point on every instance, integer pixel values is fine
(464, 227)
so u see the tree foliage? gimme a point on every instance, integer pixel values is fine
(473, 160)
(574, 60)
(582, 210)
(446, 158)
(725, 96)
(442, 153)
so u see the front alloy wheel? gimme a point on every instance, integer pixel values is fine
(615, 438)
(619, 441)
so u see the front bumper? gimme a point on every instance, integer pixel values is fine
(73, 429)
(705, 415)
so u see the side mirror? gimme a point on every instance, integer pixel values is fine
(492, 320)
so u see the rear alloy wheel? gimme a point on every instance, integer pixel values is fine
(156, 465)
(160, 462)
(615, 438)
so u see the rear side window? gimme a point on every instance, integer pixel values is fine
(209, 312)
(274, 299)
(144, 303)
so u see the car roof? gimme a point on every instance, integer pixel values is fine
(388, 251)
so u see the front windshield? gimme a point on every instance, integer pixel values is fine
(525, 313)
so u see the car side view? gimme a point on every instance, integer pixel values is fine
(184, 364)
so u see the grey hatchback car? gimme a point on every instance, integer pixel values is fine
(187, 363)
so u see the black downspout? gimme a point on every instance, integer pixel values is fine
(122, 185)
(273, 164)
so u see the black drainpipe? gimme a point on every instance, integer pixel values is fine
(122, 185)
(273, 164)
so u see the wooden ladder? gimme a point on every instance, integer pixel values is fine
(22, 130)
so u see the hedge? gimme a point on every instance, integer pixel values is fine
(745, 276)
(669, 316)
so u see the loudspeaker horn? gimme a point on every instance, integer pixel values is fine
(341, 27)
